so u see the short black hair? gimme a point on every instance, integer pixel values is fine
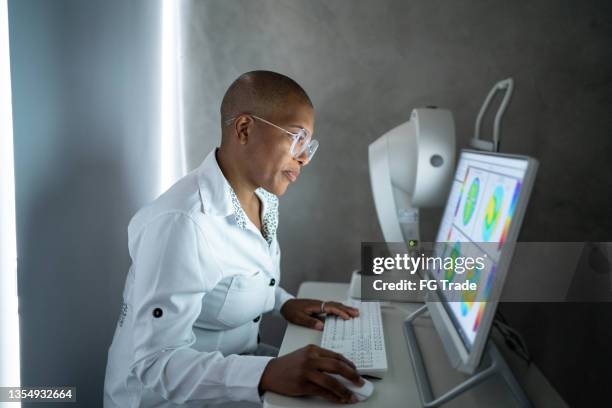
(260, 92)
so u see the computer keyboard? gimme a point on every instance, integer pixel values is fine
(360, 339)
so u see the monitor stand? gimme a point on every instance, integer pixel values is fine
(492, 363)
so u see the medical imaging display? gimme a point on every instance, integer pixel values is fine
(476, 221)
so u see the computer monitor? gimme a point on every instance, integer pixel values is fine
(483, 216)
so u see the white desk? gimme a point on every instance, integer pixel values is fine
(398, 388)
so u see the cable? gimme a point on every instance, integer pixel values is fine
(512, 338)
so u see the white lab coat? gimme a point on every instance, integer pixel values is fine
(201, 276)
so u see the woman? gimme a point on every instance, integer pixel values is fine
(205, 267)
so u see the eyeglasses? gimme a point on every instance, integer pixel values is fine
(301, 140)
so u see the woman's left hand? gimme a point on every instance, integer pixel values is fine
(303, 312)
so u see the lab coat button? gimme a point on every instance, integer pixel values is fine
(157, 312)
(255, 320)
(272, 282)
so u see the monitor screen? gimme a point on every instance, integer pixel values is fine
(476, 221)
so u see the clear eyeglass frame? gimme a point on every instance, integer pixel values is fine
(301, 140)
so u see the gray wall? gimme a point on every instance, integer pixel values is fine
(85, 81)
(366, 64)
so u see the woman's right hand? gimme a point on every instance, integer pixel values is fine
(302, 372)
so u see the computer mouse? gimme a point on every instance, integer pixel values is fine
(362, 393)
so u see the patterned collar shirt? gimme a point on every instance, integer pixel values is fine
(202, 275)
